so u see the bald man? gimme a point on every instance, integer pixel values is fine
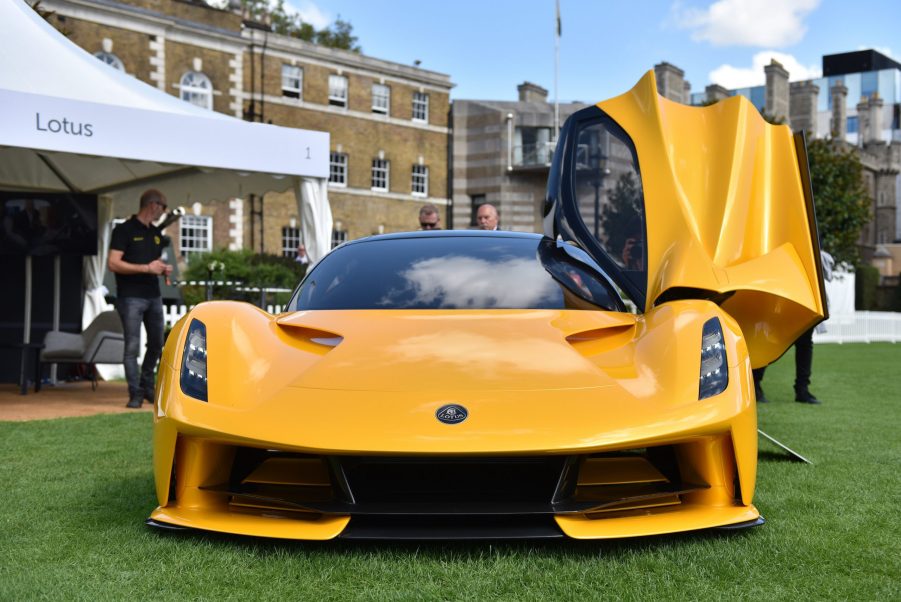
(486, 217)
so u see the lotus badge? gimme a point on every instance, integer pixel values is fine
(451, 414)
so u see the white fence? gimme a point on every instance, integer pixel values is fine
(174, 313)
(862, 327)
(859, 327)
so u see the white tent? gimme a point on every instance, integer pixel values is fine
(72, 123)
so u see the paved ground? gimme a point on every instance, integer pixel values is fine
(63, 400)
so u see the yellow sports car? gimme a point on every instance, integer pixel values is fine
(594, 382)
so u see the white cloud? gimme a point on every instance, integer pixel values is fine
(309, 12)
(731, 77)
(765, 23)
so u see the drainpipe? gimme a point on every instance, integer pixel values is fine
(509, 141)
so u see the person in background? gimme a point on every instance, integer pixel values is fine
(134, 257)
(302, 257)
(803, 354)
(487, 217)
(429, 218)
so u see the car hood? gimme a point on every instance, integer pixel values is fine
(728, 212)
(459, 350)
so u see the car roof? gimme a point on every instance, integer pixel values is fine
(445, 234)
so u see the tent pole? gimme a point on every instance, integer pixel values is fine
(26, 335)
(57, 270)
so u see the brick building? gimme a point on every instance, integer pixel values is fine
(388, 122)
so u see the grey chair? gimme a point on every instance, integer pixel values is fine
(102, 342)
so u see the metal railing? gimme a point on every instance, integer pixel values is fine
(539, 153)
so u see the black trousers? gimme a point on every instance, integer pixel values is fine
(803, 363)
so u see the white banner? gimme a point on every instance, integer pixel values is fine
(66, 125)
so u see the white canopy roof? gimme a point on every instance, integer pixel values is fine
(72, 123)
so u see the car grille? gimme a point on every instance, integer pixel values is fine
(451, 497)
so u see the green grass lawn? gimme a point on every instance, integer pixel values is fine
(76, 491)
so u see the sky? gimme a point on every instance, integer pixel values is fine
(488, 47)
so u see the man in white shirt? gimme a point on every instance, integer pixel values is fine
(487, 217)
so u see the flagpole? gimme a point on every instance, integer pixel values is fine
(557, 76)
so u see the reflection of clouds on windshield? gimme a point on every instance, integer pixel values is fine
(462, 282)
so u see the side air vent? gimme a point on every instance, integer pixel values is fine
(270, 481)
(630, 481)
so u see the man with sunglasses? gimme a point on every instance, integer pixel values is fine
(134, 256)
(429, 218)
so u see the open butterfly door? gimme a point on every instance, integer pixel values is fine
(680, 202)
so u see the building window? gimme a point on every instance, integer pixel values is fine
(338, 237)
(420, 106)
(337, 90)
(337, 169)
(290, 241)
(195, 234)
(197, 89)
(420, 185)
(380, 171)
(292, 81)
(110, 59)
(381, 98)
(477, 201)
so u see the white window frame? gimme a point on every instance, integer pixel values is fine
(338, 237)
(290, 241)
(337, 90)
(337, 169)
(421, 101)
(195, 235)
(381, 172)
(110, 59)
(196, 88)
(420, 176)
(292, 81)
(381, 99)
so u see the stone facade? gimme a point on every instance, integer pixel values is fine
(501, 155)
(803, 106)
(671, 82)
(159, 41)
(839, 122)
(777, 91)
(715, 93)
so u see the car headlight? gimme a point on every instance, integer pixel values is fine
(193, 363)
(714, 367)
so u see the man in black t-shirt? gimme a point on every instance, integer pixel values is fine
(134, 257)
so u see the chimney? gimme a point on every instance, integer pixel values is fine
(776, 91)
(802, 106)
(529, 92)
(875, 108)
(838, 125)
(670, 81)
(715, 93)
(863, 121)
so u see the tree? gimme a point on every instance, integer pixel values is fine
(842, 203)
(244, 266)
(337, 35)
(621, 216)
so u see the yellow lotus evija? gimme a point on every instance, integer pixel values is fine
(594, 382)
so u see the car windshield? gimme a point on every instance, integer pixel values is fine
(465, 272)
